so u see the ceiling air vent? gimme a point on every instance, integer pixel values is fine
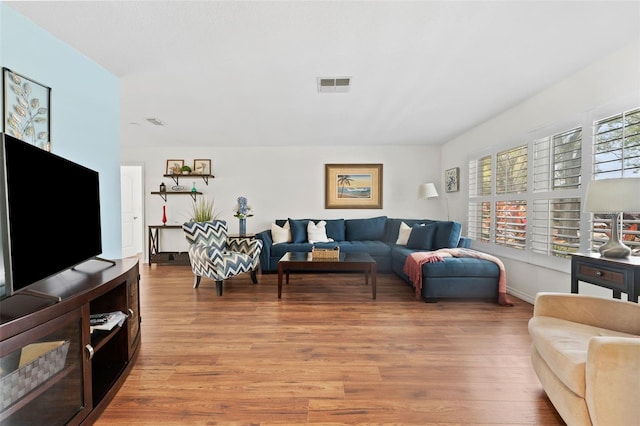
(334, 84)
(155, 121)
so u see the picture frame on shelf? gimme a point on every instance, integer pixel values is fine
(174, 166)
(26, 107)
(452, 179)
(353, 186)
(202, 167)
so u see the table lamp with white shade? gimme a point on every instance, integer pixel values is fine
(613, 196)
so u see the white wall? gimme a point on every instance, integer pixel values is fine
(282, 182)
(609, 86)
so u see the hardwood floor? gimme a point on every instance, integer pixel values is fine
(325, 354)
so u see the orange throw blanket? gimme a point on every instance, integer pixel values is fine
(413, 268)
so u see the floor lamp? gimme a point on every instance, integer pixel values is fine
(428, 190)
(613, 196)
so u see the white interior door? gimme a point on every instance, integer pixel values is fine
(131, 206)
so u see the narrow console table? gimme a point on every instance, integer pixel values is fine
(619, 275)
(54, 369)
(164, 257)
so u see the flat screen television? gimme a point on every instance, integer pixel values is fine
(49, 214)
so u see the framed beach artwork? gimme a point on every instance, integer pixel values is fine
(353, 186)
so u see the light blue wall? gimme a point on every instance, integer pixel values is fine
(84, 114)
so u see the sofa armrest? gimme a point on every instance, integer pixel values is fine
(612, 314)
(464, 242)
(612, 380)
(265, 253)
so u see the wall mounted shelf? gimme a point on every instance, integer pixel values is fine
(193, 194)
(176, 178)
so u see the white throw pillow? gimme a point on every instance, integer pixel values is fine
(317, 232)
(403, 234)
(281, 234)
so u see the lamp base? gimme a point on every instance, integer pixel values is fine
(614, 248)
(614, 251)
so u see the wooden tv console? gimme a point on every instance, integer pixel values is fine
(53, 369)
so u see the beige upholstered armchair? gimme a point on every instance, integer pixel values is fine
(586, 353)
(213, 256)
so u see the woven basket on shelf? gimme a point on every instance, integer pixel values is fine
(32, 374)
(325, 254)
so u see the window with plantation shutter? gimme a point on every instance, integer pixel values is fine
(616, 154)
(555, 222)
(511, 171)
(558, 161)
(542, 164)
(616, 146)
(480, 183)
(555, 226)
(493, 216)
(479, 227)
(544, 217)
(511, 223)
(530, 197)
(480, 175)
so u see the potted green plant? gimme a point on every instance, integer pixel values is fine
(203, 210)
(185, 169)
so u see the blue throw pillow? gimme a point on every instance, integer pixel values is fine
(298, 230)
(371, 229)
(447, 235)
(422, 236)
(335, 229)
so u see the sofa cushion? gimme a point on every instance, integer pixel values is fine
(422, 237)
(317, 232)
(298, 230)
(279, 250)
(403, 234)
(447, 235)
(281, 234)
(336, 229)
(392, 228)
(374, 248)
(563, 345)
(370, 229)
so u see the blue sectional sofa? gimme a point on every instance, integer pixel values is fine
(452, 278)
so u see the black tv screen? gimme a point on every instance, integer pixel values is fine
(52, 208)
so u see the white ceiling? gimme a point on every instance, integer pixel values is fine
(240, 73)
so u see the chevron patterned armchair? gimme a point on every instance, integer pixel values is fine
(214, 256)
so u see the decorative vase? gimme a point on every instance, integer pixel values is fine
(243, 227)
(164, 215)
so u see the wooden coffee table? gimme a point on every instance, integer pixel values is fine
(347, 262)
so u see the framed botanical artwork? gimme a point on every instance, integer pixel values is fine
(353, 186)
(451, 179)
(26, 109)
(202, 167)
(174, 166)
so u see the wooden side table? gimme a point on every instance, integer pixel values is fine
(620, 275)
